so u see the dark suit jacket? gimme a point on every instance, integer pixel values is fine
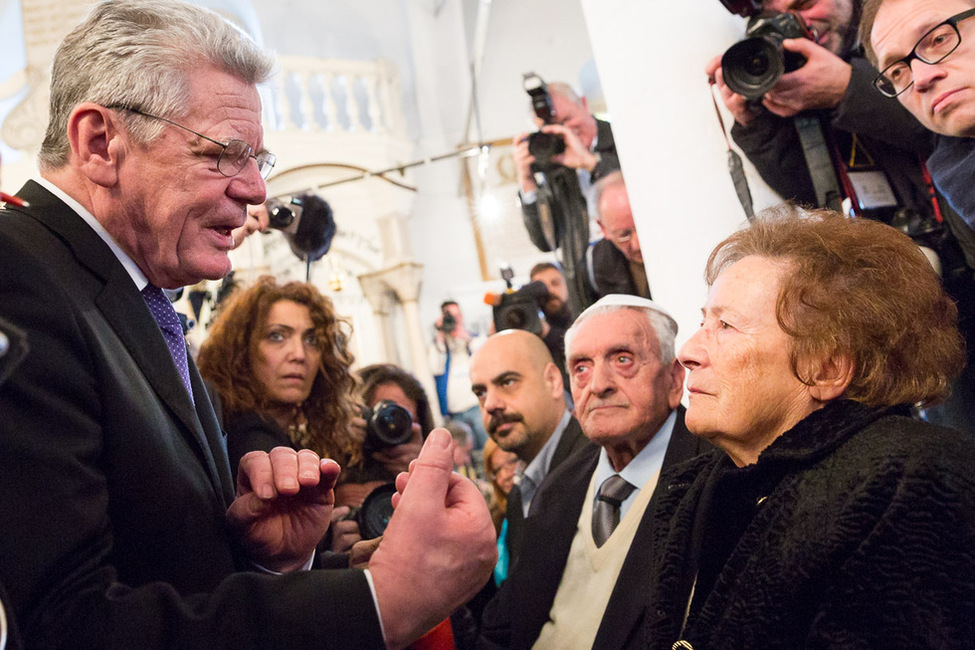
(113, 486)
(608, 271)
(571, 441)
(515, 617)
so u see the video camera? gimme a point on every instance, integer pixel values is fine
(521, 309)
(542, 145)
(755, 64)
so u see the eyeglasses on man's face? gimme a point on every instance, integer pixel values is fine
(934, 47)
(233, 155)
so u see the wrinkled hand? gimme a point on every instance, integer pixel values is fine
(397, 459)
(523, 162)
(819, 84)
(576, 154)
(283, 505)
(345, 532)
(740, 108)
(434, 509)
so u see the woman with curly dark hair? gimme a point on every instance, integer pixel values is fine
(278, 357)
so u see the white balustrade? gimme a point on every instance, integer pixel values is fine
(335, 95)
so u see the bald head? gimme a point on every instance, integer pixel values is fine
(516, 342)
(520, 391)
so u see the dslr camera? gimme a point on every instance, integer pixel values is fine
(754, 65)
(387, 425)
(375, 512)
(542, 145)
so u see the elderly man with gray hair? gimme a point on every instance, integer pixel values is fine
(121, 527)
(578, 580)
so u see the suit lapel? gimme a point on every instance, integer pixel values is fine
(122, 306)
(216, 447)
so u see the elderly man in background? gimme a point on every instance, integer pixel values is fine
(832, 519)
(614, 264)
(121, 527)
(583, 565)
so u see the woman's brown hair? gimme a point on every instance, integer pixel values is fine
(860, 289)
(225, 360)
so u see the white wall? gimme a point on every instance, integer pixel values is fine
(651, 58)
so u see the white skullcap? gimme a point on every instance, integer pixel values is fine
(626, 300)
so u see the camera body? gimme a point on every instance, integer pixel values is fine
(448, 323)
(542, 145)
(755, 64)
(387, 425)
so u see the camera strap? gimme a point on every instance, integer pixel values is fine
(932, 192)
(735, 166)
(819, 160)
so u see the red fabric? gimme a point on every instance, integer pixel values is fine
(439, 638)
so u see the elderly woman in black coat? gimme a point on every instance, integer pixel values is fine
(832, 519)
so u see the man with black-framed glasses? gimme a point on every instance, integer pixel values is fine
(926, 52)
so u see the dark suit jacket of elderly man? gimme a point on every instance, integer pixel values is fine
(515, 618)
(113, 485)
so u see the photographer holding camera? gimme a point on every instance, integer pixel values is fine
(450, 358)
(832, 83)
(873, 165)
(557, 166)
(589, 145)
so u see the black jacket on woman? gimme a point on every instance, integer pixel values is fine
(855, 529)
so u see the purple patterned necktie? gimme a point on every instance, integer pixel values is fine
(164, 314)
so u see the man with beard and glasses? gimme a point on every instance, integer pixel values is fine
(520, 392)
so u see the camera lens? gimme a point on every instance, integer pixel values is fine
(388, 425)
(752, 67)
(280, 217)
(376, 511)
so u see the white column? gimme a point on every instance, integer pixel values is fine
(667, 134)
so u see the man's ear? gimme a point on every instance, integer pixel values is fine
(829, 378)
(553, 378)
(96, 143)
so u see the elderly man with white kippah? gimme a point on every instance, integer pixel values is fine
(577, 584)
